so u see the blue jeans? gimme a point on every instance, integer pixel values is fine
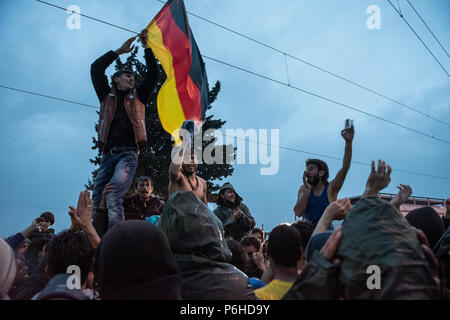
(119, 169)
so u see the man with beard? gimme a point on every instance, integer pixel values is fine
(144, 203)
(182, 175)
(317, 193)
(233, 213)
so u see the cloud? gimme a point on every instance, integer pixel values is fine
(50, 131)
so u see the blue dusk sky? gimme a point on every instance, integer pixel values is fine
(46, 144)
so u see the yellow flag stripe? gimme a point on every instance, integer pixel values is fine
(170, 110)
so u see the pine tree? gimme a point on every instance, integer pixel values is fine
(155, 161)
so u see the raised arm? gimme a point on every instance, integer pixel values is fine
(404, 191)
(98, 68)
(302, 197)
(147, 86)
(177, 162)
(338, 181)
(378, 179)
(336, 210)
(81, 217)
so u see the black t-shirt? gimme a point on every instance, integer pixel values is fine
(121, 131)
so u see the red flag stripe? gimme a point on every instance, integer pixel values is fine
(178, 43)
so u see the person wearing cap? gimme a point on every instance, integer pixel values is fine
(122, 133)
(40, 236)
(234, 214)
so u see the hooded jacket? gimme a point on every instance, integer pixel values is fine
(442, 254)
(235, 229)
(134, 261)
(196, 239)
(374, 233)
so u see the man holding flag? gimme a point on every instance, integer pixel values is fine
(183, 98)
(122, 133)
(184, 94)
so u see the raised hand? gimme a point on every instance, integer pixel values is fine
(378, 179)
(337, 210)
(404, 191)
(126, 46)
(82, 215)
(109, 187)
(348, 134)
(143, 38)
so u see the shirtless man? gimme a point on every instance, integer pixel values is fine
(182, 175)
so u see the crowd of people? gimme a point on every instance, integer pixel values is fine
(191, 252)
(145, 247)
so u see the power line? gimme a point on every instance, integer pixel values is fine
(340, 159)
(428, 28)
(30, 207)
(47, 96)
(316, 67)
(418, 37)
(290, 86)
(267, 144)
(277, 50)
(327, 99)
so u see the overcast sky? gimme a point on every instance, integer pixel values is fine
(46, 144)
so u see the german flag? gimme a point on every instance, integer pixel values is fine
(184, 94)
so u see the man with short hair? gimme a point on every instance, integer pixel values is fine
(306, 229)
(251, 245)
(259, 234)
(284, 251)
(122, 132)
(255, 264)
(144, 203)
(68, 248)
(317, 193)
